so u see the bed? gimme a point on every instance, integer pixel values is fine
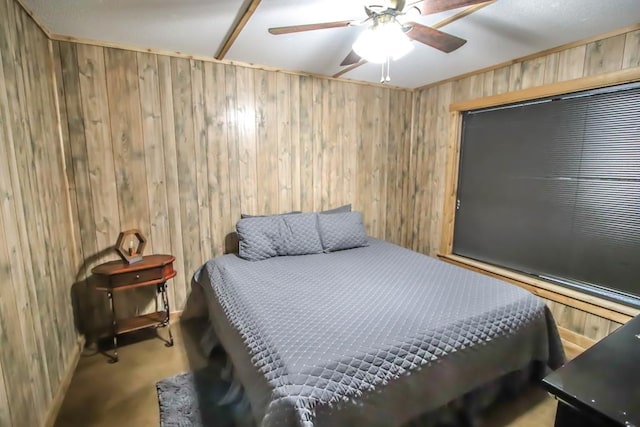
(374, 335)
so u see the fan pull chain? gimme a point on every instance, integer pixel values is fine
(388, 79)
(386, 65)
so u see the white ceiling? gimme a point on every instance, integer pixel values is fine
(500, 32)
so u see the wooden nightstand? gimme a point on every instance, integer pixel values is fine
(116, 276)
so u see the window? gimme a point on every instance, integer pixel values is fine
(551, 188)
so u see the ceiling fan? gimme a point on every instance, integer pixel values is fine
(385, 17)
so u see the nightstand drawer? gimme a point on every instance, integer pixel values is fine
(136, 277)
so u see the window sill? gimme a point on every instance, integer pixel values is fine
(591, 304)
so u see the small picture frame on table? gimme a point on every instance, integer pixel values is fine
(130, 245)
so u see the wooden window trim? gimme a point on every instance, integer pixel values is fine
(591, 304)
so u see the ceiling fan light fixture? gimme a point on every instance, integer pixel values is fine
(382, 41)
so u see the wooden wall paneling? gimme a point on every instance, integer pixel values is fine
(364, 200)
(476, 88)
(469, 87)
(266, 138)
(247, 146)
(14, 354)
(379, 141)
(431, 109)
(100, 161)
(461, 90)
(340, 143)
(575, 85)
(596, 327)
(501, 80)
(398, 178)
(533, 72)
(66, 150)
(50, 163)
(631, 50)
(348, 142)
(324, 143)
(604, 55)
(551, 68)
(127, 139)
(86, 300)
(151, 115)
(171, 176)
(407, 216)
(187, 177)
(567, 317)
(571, 63)
(487, 84)
(233, 121)
(68, 217)
(129, 161)
(371, 112)
(307, 111)
(34, 278)
(217, 155)
(415, 163)
(40, 198)
(410, 187)
(283, 139)
(14, 350)
(201, 159)
(393, 212)
(515, 77)
(316, 141)
(103, 193)
(5, 414)
(295, 140)
(441, 114)
(424, 169)
(5, 410)
(613, 326)
(451, 182)
(416, 171)
(31, 298)
(329, 132)
(572, 319)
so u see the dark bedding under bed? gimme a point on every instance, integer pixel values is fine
(369, 336)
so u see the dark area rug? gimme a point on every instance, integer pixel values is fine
(190, 399)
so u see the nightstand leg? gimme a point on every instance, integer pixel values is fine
(114, 358)
(165, 303)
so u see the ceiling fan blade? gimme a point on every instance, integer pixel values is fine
(434, 38)
(397, 4)
(429, 7)
(351, 58)
(308, 27)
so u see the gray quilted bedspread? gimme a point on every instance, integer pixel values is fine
(373, 335)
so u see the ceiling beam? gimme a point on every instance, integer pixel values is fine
(466, 12)
(237, 28)
(349, 68)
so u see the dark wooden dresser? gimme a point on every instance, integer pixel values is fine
(601, 387)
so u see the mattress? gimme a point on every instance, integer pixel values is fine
(375, 335)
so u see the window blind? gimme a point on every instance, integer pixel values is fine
(552, 188)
